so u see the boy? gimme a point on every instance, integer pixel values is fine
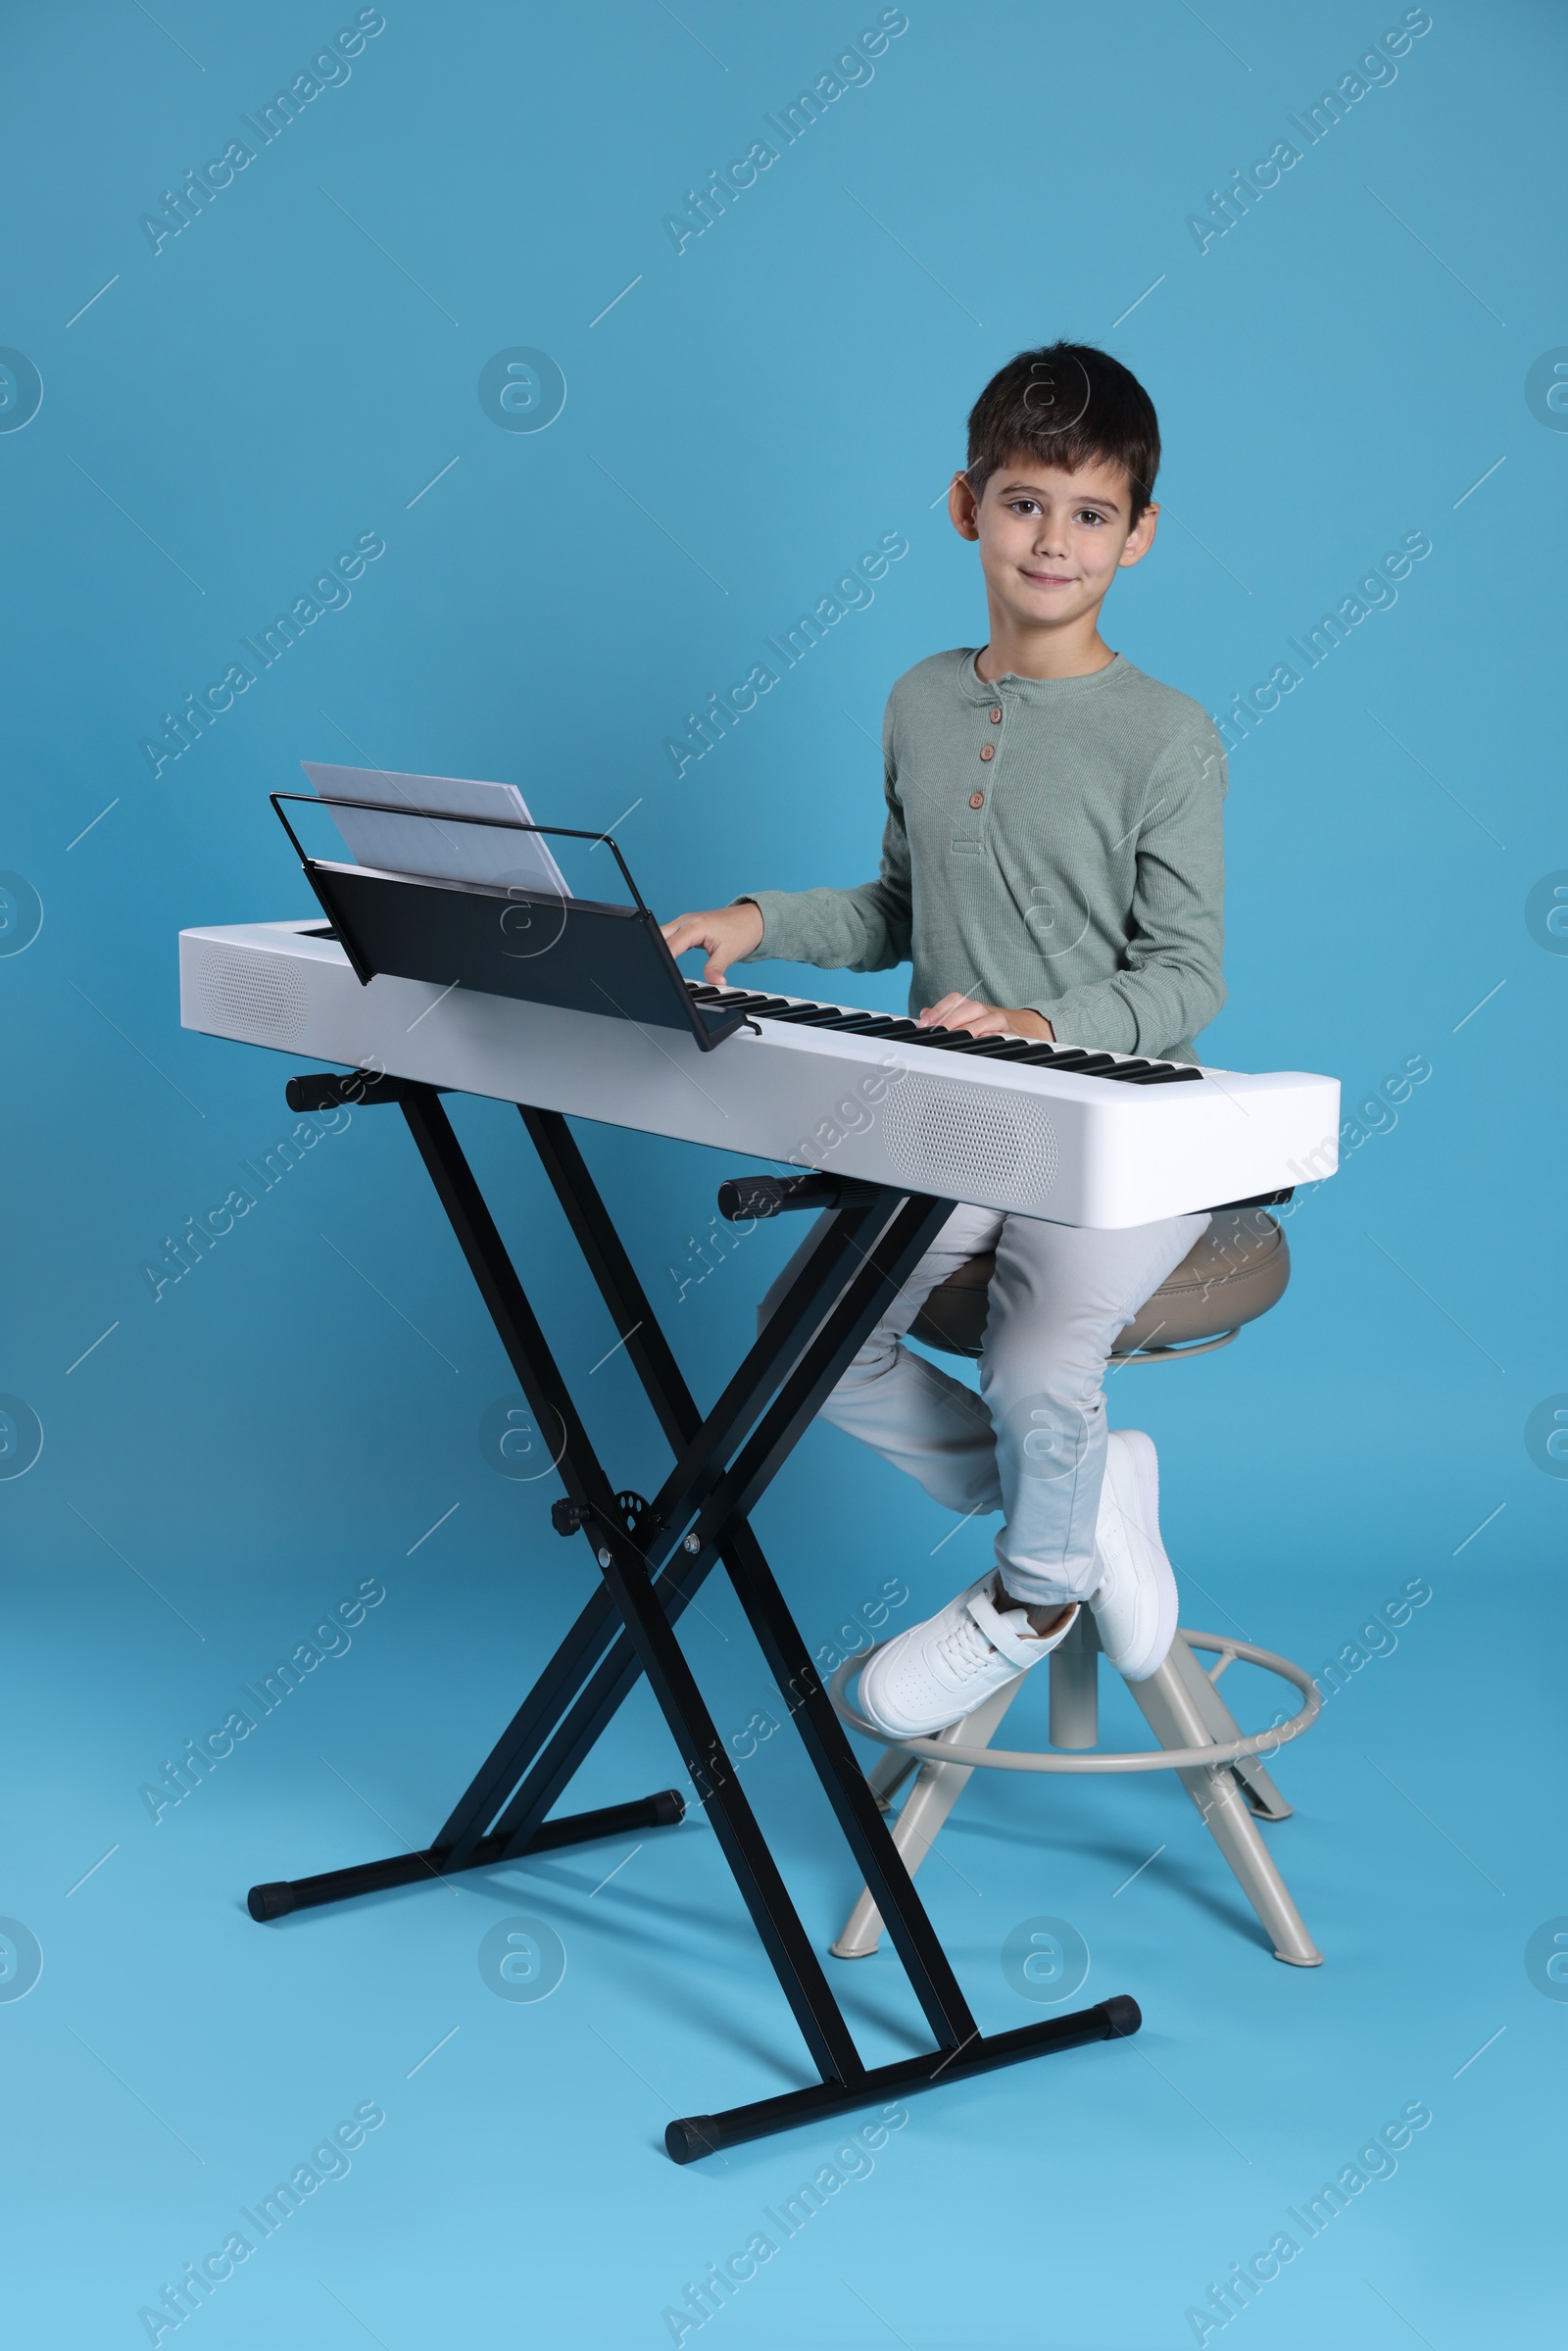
(1051, 864)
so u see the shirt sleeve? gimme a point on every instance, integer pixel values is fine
(865, 929)
(1170, 984)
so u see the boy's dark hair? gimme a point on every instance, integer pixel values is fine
(1070, 406)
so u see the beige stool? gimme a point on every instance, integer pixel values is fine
(1235, 1273)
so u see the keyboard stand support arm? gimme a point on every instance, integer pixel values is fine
(652, 1560)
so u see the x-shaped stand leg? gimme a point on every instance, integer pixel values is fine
(650, 1568)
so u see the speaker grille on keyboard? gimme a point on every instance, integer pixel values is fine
(941, 1135)
(260, 993)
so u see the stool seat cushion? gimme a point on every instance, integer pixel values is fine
(1235, 1273)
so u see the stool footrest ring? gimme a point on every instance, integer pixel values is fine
(945, 1748)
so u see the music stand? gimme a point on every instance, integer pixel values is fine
(582, 955)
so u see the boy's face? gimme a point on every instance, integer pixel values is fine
(1051, 543)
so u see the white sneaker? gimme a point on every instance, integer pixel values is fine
(942, 1670)
(1135, 1605)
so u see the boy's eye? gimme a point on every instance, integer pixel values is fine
(1032, 506)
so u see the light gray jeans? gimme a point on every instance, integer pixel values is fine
(1032, 1445)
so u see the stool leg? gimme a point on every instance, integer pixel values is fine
(1075, 1669)
(1173, 1714)
(888, 1775)
(937, 1788)
(1257, 1785)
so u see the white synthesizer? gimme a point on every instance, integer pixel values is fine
(1100, 1140)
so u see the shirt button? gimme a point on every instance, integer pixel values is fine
(988, 751)
(996, 717)
(977, 799)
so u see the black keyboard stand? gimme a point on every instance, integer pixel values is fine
(653, 1559)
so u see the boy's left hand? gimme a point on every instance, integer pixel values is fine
(985, 1021)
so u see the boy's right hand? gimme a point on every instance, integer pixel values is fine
(724, 933)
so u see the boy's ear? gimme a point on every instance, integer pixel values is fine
(963, 508)
(1141, 538)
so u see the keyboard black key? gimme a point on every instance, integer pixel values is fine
(1023, 1049)
(1167, 1073)
(986, 1046)
(1088, 1065)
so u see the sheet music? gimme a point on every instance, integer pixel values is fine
(456, 853)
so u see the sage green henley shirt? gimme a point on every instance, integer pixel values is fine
(1051, 843)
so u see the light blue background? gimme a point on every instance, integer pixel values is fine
(1338, 369)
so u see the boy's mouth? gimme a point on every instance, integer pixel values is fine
(1048, 579)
